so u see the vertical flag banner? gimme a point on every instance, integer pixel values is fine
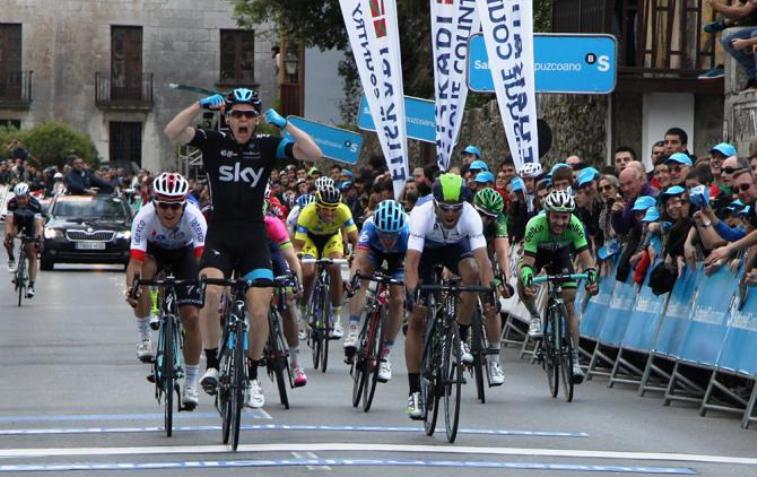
(508, 31)
(452, 24)
(374, 38)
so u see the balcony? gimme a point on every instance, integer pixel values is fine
(124, 92)
(16, 90)
(661, 43)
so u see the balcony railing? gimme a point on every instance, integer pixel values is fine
(16, 89)
(656, 38)
(133, 91)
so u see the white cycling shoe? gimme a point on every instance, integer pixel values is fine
(253, 397)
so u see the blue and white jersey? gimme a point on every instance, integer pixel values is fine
(369, 239)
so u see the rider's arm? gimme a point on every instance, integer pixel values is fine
(502, 256)
(179, 129)
(586, 259)
(305, 149)
(733, 11)
(484, 265)
(412, 260)
(290, 256)
(132, 270)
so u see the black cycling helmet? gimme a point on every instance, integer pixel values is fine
(244, 96)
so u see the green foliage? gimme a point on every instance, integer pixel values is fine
(50, 142)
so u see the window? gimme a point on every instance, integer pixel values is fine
(126, 142)
(237, 57)
(126, 62)
(10, 123)
(10, 60)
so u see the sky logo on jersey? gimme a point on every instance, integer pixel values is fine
(235, 173)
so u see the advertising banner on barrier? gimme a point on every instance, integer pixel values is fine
(676, 320)
(617, 316)
(374, 38)
(596, 309)
(645, 316)
(507, 26)
(335, 143)
(738, 351)
(452, 24)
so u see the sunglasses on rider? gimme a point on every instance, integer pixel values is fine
(246, 114)
(450, 207)
(170, 205)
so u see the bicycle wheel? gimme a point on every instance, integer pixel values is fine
(223, 400)
(167, 372)
(549, 342)
(374, 354)
(21, 276)
(325, 320)
(478, 349)
(430, 379)
(565, 354)
(315, 327)
(359, 366)
(237, 386)
(452, 372)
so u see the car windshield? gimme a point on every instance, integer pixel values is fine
(102, 207)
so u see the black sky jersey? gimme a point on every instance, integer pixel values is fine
(238, 173)
(23, 217)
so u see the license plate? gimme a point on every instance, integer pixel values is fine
(90, 245)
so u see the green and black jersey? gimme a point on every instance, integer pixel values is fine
(540, 238)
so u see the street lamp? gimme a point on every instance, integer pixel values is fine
(290, 64)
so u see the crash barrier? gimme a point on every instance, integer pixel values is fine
(5, 196)
(696, 344)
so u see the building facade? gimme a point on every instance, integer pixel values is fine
(105, 67)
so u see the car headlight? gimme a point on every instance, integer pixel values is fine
(126, 235)
(53, 233)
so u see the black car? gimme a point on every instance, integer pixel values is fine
(87, 229)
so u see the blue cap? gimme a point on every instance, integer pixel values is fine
(745, 211)
(725, 149)
(674, 190)
(517, 184)
(557, 166)
(586, 175)
(478, 166)
(652, 215)
(345, 185)
(644, 202)
(484, 177)
(680, 158)
(472, 150)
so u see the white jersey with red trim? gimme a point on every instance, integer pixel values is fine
(146, 228)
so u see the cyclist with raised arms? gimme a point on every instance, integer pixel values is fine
(169, 233)
(489, 204)
(238, 164)
(24, 215)
(446, 231)
(383, 238)
(551, 238)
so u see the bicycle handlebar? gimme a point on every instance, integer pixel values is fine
(560, 278)
(324, 261)
(241, 282)
(380, 278)
(458, 288)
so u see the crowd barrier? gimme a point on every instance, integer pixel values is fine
(5, 195)
(696, 344)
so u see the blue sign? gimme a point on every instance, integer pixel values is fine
(420, 118)
(335, 143)
(572, 64)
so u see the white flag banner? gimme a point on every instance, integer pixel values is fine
(508, 31)
(452, 24)
(375, 41)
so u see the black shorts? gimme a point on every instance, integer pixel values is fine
(556, 262)
(279, 265)
(183, 265)
(449, 256)
(239, 247)
(395, 262)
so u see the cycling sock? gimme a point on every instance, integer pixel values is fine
(31, 283)
(294, 355)
(143, 328)
(494, 345)
(388, 348)
(211, 358)
(354, 320)
(337, 313)
(191, 372)
(415, 382)
(464, 332)
(252, 370)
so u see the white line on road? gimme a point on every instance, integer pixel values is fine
(312, 458)
(355, 447)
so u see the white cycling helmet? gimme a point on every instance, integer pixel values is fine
(21, 189)
(322, 182)
(531, 169)
(170, 187)
(559, 201)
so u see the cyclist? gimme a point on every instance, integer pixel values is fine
(489, 204)
(550, 239)
(238, 164)
(302, 201)
(24, 216)
(445, 231)
(319, 234)
(383, 238)
(169, 233)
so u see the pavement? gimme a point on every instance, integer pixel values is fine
(74, 399)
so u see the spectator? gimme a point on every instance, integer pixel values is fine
(718, 154)
(679, 165)
(588, 203)
(730, 166)
(676, 140)
(623, 155)
(336, 173)
(661, 179)
(82, 181)
(574, 161)
(562, 176)
(632, 185)
(508, 168)
(470, 153)
(658, 150)
(483, 180)
(16, 150)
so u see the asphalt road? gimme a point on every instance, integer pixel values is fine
(74, 396)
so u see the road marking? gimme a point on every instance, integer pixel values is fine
(356, 447)
(279, 427)
(319, 463)
(253, 413)
(312, 457)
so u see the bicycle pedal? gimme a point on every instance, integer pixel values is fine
(187, 407)
(151, 378)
